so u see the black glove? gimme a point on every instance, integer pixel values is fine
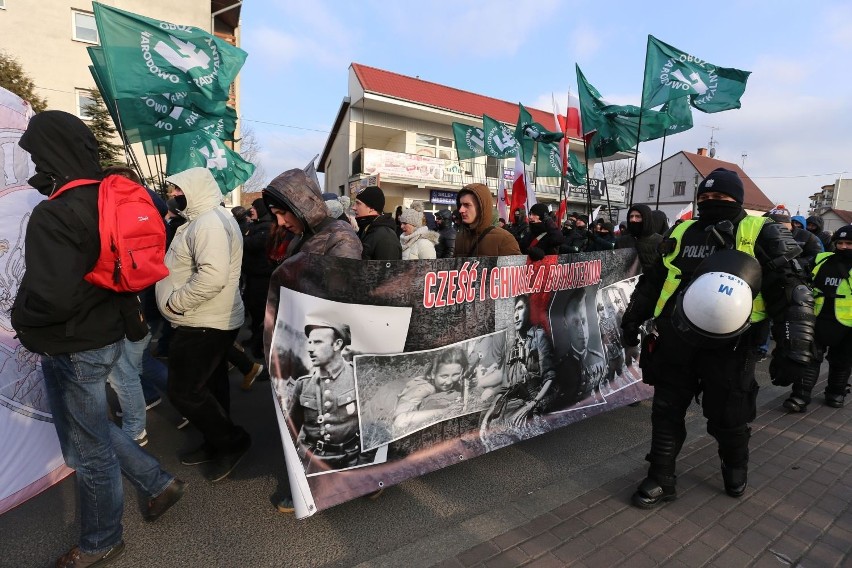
(783, 371)
(536, 254)
(630, 333)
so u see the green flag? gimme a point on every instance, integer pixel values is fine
(528, 133)
(500, 142)
(549, 160)
(470, 141)
(527, 144)
(610, 129)
(147, 56)
(200, 149)
(576, 170)
(671, 74)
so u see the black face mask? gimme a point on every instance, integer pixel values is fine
(181, 202)
(635, 228)
(844, 254)
(537, 228)
(715, 210)
(44, 183)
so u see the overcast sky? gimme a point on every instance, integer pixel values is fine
(794, 126)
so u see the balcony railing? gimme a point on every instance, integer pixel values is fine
(440, 173)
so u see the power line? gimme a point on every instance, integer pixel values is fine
(801, 176)
(284, 125)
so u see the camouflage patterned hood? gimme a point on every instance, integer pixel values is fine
(300, 194)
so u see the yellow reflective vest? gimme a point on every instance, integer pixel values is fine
(747, 232)
(843, 298)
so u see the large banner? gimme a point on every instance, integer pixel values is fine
(30, 458)
(384, 371)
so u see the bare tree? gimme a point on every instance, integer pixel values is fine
(617, 172)
(250, 150)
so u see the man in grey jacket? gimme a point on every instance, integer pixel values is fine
(201, 299)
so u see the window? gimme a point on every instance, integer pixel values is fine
(84, 99)
(679, 188)
(2, 4)
(651, 188)
(435, 147)
(491, 167)
(84, 26)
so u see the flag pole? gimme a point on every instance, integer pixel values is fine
(128, 149)
(588, 183)
(603, 172)
(660, 176)
(639, 127)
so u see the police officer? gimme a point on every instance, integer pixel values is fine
(832, 275)
(722, 372)
(323, 406)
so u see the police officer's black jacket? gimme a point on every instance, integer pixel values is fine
(774, 249)
(55, 310)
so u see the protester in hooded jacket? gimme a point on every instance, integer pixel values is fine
(661, 222)
(294, 200)
(478, 236)
(640, 235)
(579, 238)
(417, 241)
(602, 237)
(201, 298)
(815, 225)
(799, 222)
(544, 236)
(78, 329)
(446, 246)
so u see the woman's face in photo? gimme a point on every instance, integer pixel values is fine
(447, 376)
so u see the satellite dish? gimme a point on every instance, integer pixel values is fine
(712, 152)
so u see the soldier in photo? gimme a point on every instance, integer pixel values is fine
(323, 407)
(718, 282)
(582, 367)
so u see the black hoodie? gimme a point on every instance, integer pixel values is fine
(644, 238)
(55, 310)
(823, 236)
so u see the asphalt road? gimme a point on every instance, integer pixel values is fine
(417, 523)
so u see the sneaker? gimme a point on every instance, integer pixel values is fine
(76, 558)
(224, 464)
(183, 423)
(142, 440)
(163, 502)
(285, 505)
(201, 454)
(248, 378)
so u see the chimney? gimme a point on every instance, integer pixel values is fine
(702, 152)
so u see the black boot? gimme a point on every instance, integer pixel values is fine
(802, 388)
(736, 479)
(654, 491)
(837, 387)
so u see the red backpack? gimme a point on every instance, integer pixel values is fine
(132, 233)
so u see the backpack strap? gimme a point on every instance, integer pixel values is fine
(478, 240)
(72, 185)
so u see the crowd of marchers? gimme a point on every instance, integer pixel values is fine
(225, 269)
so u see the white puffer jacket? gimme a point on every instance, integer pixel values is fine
(419, 245)
(204, 259)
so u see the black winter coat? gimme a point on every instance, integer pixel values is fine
(380, 241)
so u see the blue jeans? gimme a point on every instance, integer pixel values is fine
(125, 381)
(99, 450)
(154, 377)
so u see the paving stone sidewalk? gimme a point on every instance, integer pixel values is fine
(797, 510)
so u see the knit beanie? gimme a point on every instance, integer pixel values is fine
(345, 202)
(335, 209)
(723, 181)
(844, 233)
(779, 215)
(539, 209)
(412, 217)
(373, 197)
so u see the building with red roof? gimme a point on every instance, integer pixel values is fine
(395, 131)
(681, 174)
